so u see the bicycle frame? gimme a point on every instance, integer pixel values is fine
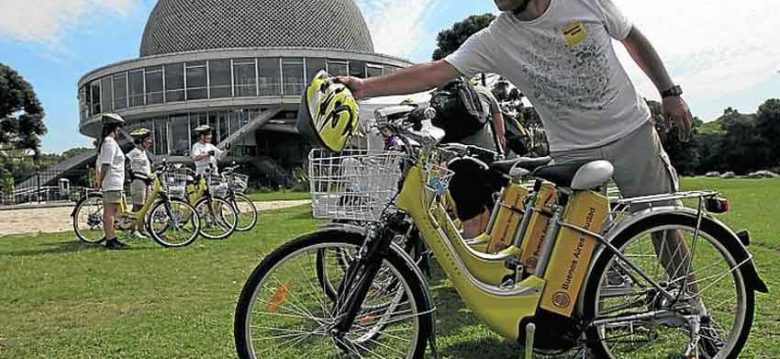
(151, 198)
(501, 309)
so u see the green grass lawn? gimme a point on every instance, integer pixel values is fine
(63, 299)
(278, 196)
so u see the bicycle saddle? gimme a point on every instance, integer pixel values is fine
(577, 175)
(519, 167)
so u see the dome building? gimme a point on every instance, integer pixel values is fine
(238, 65)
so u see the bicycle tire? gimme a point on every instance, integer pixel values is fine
(400, 262)
(254, 216)
(158, 236)
(708, 228)
(219, 202)
(79, 206)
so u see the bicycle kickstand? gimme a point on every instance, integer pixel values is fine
(530, 331)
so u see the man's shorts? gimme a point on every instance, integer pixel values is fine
(112, 197)
(472, 187)
(642, 167)
(138, 192)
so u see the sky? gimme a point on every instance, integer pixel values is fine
(723, 52)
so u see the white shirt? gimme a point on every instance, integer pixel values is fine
(111, 154)
(139, 163)
(565, 64)
(202, 164)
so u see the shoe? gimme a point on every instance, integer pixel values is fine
(139, 235)
(115, 244)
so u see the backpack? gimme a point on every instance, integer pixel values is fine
(459, 110)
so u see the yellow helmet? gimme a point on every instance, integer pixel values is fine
(141, 133)
(329, 114)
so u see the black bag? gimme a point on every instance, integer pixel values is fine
(459, 110)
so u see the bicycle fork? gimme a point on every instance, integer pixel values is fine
(360, 275)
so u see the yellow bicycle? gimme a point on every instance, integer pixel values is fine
(645, 278)
(170, 221)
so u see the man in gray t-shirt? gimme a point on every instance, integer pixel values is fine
(559, 53)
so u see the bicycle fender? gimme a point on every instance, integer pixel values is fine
(733, 244)
(343, 226)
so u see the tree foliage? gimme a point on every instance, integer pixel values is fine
(451, 39)
(21, 114)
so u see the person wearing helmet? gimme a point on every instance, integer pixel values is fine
(111, 175)
(204, 153)
(140, 172)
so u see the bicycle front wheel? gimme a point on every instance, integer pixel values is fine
(284, 312)
(173, 223)
(246, 212)
(217, 218)
(707, 310)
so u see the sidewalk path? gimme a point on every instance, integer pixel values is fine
(55, 220)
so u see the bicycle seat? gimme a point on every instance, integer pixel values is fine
(519, 167)
(577, 175)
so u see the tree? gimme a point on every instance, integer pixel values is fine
(73, 152)
(768, 123)
(21, 114)
(744, 148)
(451, 39)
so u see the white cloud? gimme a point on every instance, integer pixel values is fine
(397, 26)
(45, 21)
(713, 48)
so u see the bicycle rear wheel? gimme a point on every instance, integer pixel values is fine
(712, 294)
(283, 311)
(246, 213)
(88, 219)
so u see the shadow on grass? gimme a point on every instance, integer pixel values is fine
(62, 248)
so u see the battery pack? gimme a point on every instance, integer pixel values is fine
(534, 236)
(508, 218)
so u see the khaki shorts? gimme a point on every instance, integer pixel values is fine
(138, 191)
(642, 167)
(112, 197)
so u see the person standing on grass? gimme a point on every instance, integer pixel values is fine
(204, 153)
(111, 175)
(140, 173)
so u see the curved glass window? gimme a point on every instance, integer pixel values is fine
(357, 69)
(135, 81)
(120, 90)
(220, 84)
(94, 100)
(154, 85)
(244, 77)
(374, 70)
(180, 135)
(292, 76)
(105, 94)
(270, 78)
(196, 80)
(174, 82)
(338, 68)
(313, 66)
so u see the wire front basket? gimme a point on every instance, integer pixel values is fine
(238, 182)
(175, 183)
(354, 184)
(217, 185)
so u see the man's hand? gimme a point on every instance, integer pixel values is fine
(356, 85)
(676, 110)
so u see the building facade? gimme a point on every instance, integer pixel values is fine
(240, 67)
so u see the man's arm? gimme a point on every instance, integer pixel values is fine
(643, 53)
(413, 79)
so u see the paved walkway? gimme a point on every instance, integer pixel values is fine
(55, 220)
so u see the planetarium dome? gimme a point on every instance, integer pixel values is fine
(176, 26)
